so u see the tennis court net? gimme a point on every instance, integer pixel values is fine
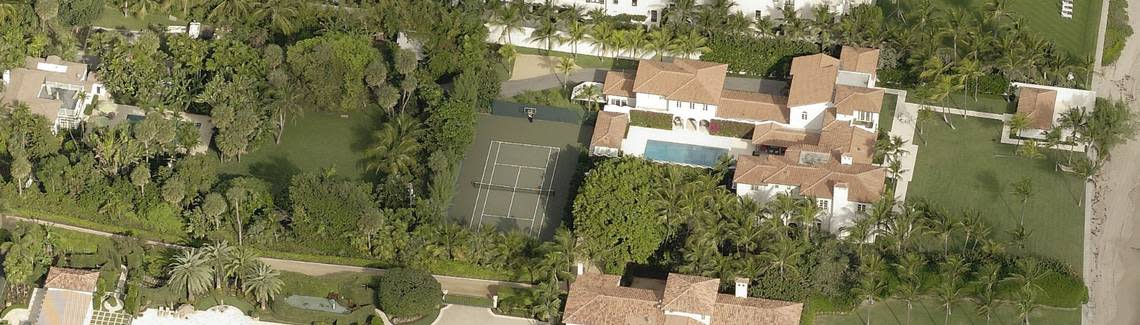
(481, 185)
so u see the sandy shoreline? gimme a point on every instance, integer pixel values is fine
(1112, 248)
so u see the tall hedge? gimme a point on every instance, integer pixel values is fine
(757, 56)
(408, 293)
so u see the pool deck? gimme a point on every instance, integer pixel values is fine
(637, 137)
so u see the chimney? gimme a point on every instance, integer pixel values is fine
(580, 268)
(846, 159)
(742, 287)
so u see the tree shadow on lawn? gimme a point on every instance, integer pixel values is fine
(277, 170)
(362, 139)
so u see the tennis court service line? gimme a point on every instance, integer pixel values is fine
(477, 191)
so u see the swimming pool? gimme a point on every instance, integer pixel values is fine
(683, 153)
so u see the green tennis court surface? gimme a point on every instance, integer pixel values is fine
(516, 174)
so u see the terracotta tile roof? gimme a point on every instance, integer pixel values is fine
(865, 182)
(849, 99)
(71, 279)
(599, 299)
(813, 79)
(754, 106)
(681, 80)
(859, 59)
(690, 294)
(839, 137)
(733, 310)
(1037, 104)
(60, 307)
(618, 84)
(775, 135)
(609, 129)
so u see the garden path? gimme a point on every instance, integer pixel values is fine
(460, 315)
(906, 116)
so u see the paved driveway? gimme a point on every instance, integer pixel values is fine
(462, 315)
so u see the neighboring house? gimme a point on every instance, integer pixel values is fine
(596, 299)
(1044, 106)
(56, 89)
(65, 299)
(654, 10)
(818, 141)
(109, 113)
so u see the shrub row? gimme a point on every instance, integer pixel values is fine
(731, 129)
(1116, 32)
(755, 56)
(651, 119)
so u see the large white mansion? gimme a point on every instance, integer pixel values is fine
(653, 9)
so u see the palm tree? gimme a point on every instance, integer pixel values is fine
(241, 261)
(592, 94)
(189, 271)
(1028, 275)
(286, 107)
(950, 290)
(564, 66)
(395, 146)
(1023, 189)
(229, 11)
(635, 41)
(659, 41)
(603, 37)
(997, 12)
(940, 224)
(784, 256)
(1017, 123)
(510, 19)
(909, 270)
(547, 32)
(691, 43)
(871, 287)
(263, 283)
(576, 32)
(219, 255)
(969, 70)
(1026, 303)
(280, 13)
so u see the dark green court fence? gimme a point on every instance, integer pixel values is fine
(541, 112)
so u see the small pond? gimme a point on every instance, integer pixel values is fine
(316, 303)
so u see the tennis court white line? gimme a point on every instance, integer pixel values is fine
(540, 187)
(487, 196)
(507, 217)
(513, 192)
(526, 144)
(546, 206)
(482, 175)
(522, 166)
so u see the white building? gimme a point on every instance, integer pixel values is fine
(653, 10)
(1044, 107)
(56, 89)
(816, 142)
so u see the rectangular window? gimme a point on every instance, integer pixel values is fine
(705, 107)
(759, 14)
(615, 2)
(803, 116)
(861, 208)
(692, 106)
(677, 104)
(653, 16)
(864, 116)
(823, 204)
(635, 3)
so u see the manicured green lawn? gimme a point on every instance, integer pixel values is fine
(312, 142)
(984, 103)
(967, 169)
(585, 61)
(557, 97)
(930, 312)
(887, 113)
(1043, 18)
(112, 17)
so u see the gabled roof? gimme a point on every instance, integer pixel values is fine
(71, 279)
(865, 182)
(859, 59)
(733, 310)
(681, 80)
(849, 99)
(813, 79)
(1037, 104)
(599, 299)
(839, 137)
(690, 294)
(618, 84)
(609, 129)
(27, 84)
(754, 106)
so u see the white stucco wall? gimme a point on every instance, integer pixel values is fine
(814, 119)
(765, 192)
(651, 102)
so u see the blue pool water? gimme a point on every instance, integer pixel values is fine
(683, 153)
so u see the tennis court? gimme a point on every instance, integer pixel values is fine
(516, 185)
(516, 174)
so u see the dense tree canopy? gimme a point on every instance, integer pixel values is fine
(616, 214)
(408, 293)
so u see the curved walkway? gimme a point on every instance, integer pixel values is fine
(453, 285)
